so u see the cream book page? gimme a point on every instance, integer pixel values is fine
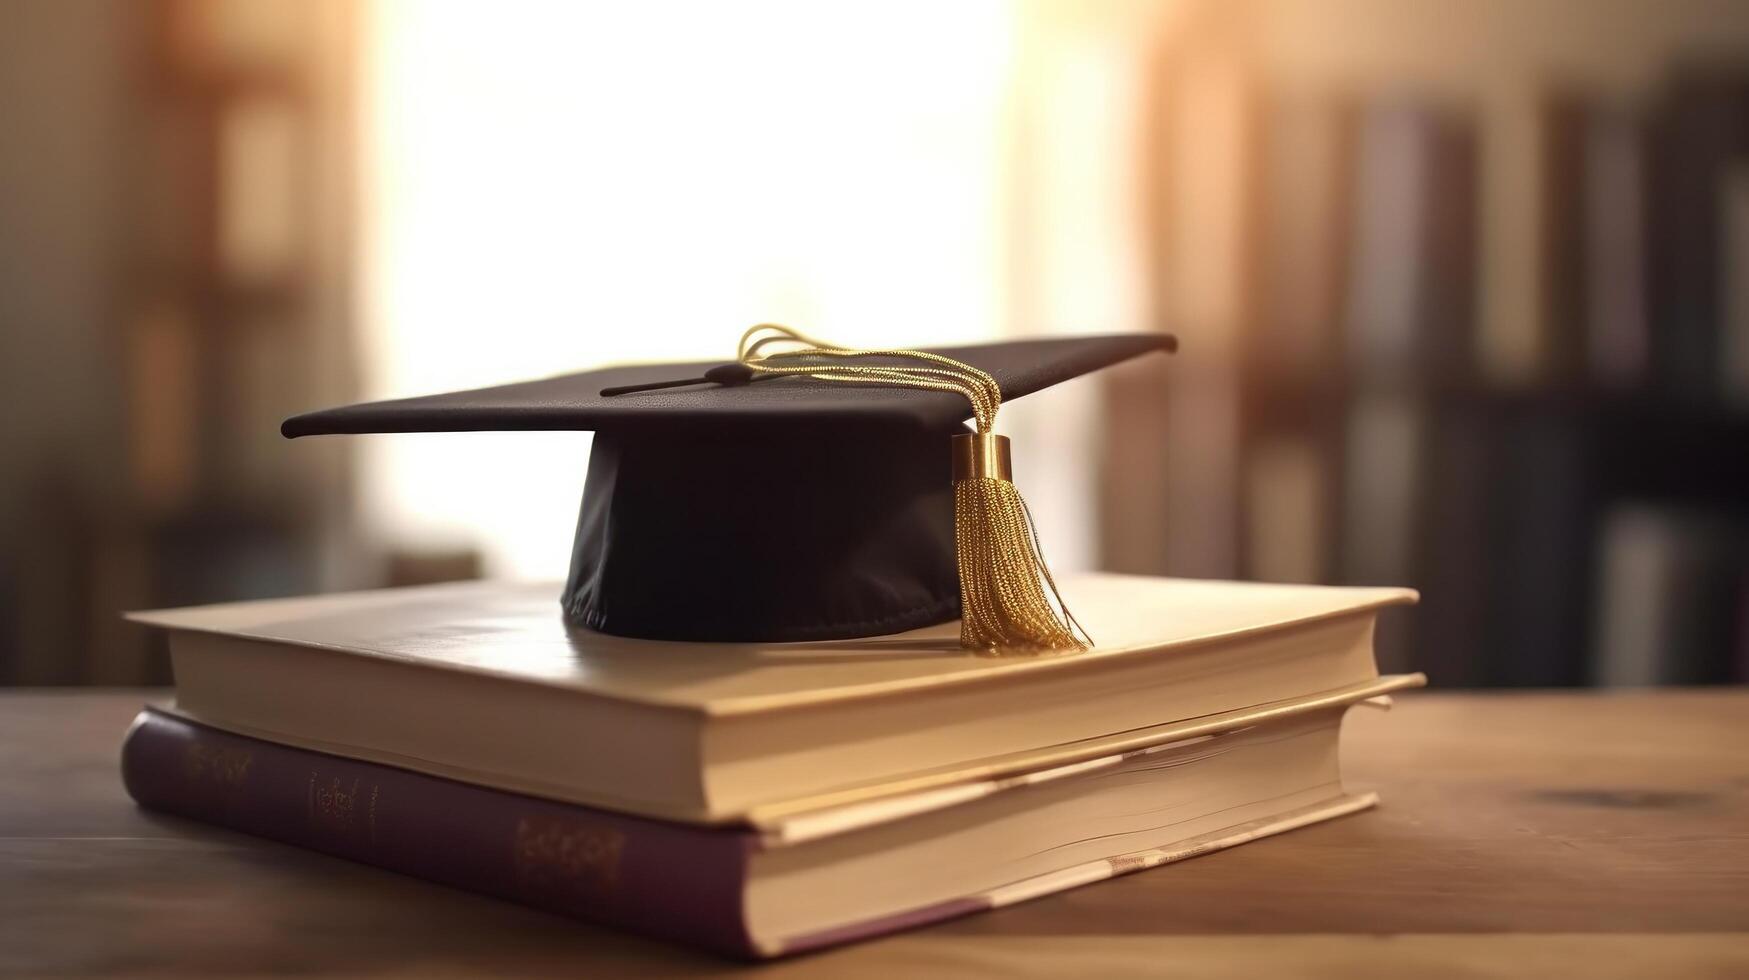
(515, 631)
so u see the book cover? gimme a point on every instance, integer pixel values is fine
(665, 880)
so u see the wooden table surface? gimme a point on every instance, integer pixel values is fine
(1521, 834)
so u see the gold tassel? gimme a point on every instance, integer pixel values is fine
(1003, 577)
(1009, 602)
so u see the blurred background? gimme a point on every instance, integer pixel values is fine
(1462, 288)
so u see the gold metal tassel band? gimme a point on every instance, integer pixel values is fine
(1008, 599)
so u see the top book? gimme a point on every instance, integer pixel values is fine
(485, 682)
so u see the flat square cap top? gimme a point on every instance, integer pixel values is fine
(576, 402)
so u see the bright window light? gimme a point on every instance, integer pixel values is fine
(555, 186)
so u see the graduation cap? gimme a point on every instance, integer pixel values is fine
(803, 491)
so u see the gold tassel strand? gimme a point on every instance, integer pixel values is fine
(1008, 599)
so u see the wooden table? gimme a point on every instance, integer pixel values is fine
(1547, 834)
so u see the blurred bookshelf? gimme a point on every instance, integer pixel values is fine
(225, 257)
(241, 308)
(1481, 321)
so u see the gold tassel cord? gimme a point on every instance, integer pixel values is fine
(1009, 601)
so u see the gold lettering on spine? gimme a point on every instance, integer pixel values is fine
(566, 855)
(216, 764)
(333, 804)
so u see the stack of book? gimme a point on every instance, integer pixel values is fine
(760, 799)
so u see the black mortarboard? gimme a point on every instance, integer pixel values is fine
(753, 507)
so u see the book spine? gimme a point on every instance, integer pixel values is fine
(1617, 335)
(1697, 134)
(664, 880)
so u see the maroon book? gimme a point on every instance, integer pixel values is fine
(664, 880)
